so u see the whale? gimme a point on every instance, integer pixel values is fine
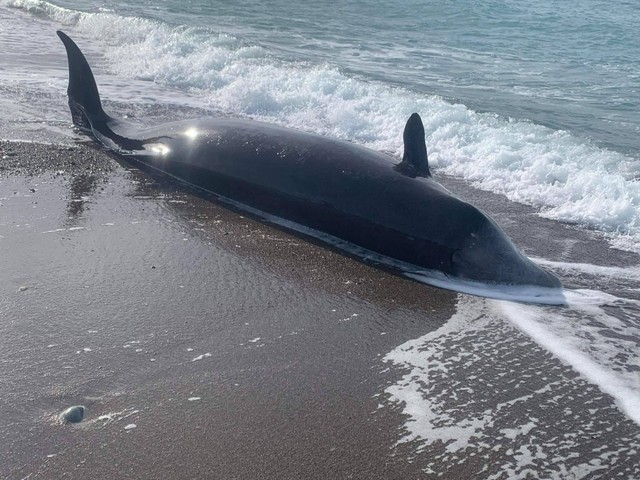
(364, 202)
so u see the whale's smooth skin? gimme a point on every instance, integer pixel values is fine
(347, 194)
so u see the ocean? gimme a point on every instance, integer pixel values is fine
(535, 101)
(538, 102)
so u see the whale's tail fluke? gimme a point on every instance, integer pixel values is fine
(86, 108)
(84, 99)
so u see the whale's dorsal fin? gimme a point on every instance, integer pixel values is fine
(84, 99)
(414, 162)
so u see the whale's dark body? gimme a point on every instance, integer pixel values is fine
(349, 192)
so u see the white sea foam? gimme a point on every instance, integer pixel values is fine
(477, 388)
(567, 178)
(603, 348)
(429, 420)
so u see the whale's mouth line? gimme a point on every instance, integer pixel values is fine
(498, 291)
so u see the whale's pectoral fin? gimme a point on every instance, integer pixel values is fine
(414, 162)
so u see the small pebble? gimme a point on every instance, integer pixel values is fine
(73, 414)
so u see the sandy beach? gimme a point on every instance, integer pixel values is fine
(208, 344)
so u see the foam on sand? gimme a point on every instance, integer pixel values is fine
(482, 399)
(603, 348)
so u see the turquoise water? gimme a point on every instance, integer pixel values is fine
(571, 66)
(538, 101)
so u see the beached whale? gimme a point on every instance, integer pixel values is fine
(342, 193)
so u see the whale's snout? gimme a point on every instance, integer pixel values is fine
(489, 256)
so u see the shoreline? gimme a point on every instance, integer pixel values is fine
(166, 297)
(239, 350)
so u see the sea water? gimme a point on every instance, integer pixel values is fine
(532, 100)
(538, 101)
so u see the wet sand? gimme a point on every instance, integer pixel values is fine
(208, 344)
